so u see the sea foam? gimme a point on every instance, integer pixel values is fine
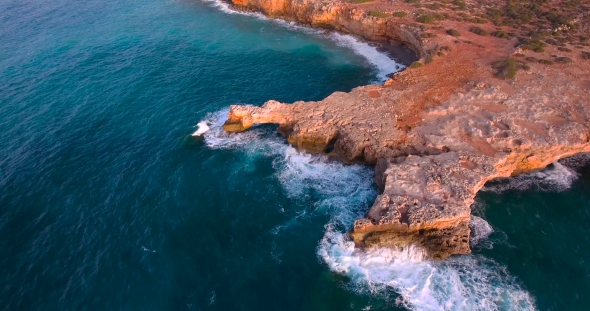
(401, 276)
(203, 127)
(556, 177)
(469, 282)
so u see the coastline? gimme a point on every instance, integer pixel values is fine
(400, 54)
(437, 132)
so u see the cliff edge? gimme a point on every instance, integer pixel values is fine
(489, 98)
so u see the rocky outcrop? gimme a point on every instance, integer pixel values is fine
(435, 134)
(430, 168)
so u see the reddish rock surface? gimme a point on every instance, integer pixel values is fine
(435, 133)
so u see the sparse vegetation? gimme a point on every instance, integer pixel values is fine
(478, 20)
(434, 6)
(478, 31)
(400, 14)
(563, 60)
(453, 32)
(546, 62)
(460, 4)
(378, 14)
(551, 41)
(428, 35)
(426, 19)
(501, 34)
(585, 55)
(563, 49)
(507, 68)
(416, 65)
(360, 1)
(429, 18)
(532, 59)
(533, 45)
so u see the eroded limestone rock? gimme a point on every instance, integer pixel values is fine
(435, 134)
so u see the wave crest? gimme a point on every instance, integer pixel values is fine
(469, 282)
(556, 177)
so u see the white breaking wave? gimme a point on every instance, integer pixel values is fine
(468, 282)
(557, 177)
(480, 230)
(459, 283)
(334, 184)
(203, 127)
(380, 61)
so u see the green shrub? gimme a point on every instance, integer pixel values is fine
(430, 18)
(534, 45)
(453, 32)
(545, 62)
(400, 14)
(563, 60)
(413, 1)
(501, 34)
(479, 31)
(561, 48)
(585, 55)
(434, 6)
(428, 35)
(507, 68)
(360, 1)
(478, 20)
(460, 4)
(426, 19)
(416, 65)
(378, 14)
(532, 59)
(551, 41)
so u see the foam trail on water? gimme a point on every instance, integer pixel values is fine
(383, 63)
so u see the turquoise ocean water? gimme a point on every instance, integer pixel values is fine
(108, 203)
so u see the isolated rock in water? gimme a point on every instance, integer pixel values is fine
(436, 134)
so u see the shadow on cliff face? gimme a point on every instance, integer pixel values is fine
(400, 53)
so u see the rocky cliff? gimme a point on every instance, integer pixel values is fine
(436, 133)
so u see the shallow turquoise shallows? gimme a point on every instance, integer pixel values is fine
(107, 202)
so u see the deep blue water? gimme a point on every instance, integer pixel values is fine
(108, 203)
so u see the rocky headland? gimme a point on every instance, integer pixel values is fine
(500, 89)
